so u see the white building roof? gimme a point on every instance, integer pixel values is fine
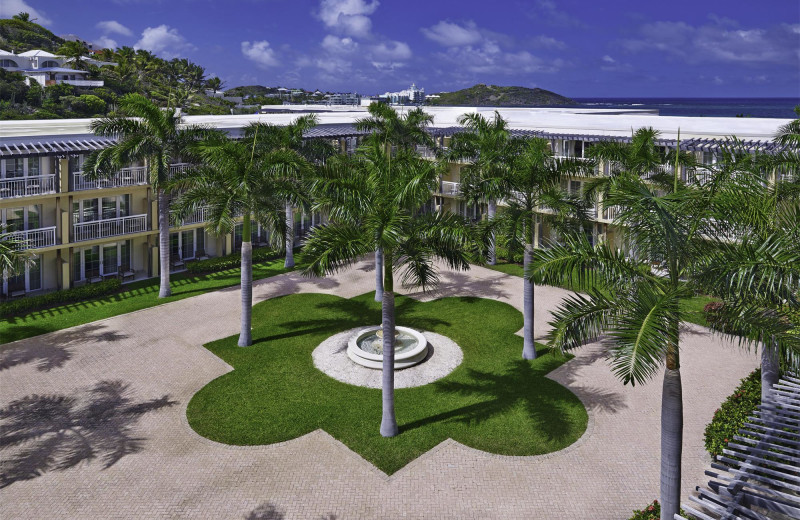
(38, 52)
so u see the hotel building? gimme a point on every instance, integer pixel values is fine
(80, 231)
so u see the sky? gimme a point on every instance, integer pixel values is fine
(589, 48)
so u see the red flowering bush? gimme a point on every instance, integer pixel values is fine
(651, 512)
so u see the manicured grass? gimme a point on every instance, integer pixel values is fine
(494, 401)
(692, 307)
(135, 296)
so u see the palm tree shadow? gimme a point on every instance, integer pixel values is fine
(268, 511)
(520, 384)
(41, 433)
(454, 283)
(54, 351)
(594, 398)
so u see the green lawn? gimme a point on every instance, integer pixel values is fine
(135, 296)
(692, 307)
(494, 401)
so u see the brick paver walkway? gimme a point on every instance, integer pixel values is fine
(115, 394)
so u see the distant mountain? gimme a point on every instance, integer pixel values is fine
(493, 95)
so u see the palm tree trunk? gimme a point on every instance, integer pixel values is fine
(388, 421)
(163, 243)
(770, 366)
(378, 275)
(289, 236)
(671, 436)
(528, 345)
(492, 211)
(245, 338)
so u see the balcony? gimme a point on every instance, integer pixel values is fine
(27, 186)
(195, 218)
(109, 227)
(133, 176)
(82, 82)
(451, 188)
(36, 238)
(611, 212)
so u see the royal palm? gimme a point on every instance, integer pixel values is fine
(152, 134)
(374, 208)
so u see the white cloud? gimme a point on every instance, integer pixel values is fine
(608, 59)
(548, 43)
(718, 42)
(9, 8)
(350, 17)
(334, 44)
(113, 27)
(104, 42)
(453, 35)
(260, 53)
(391, 50)
(163, 40)
(553, 14)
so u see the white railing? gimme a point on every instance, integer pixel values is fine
(451, 188)
(195, 218)
(36, 238)
(83, 82)
(27, 186)
(611, 212)
(700, 176)
(133, 176)
(109, 227)
(178, 167)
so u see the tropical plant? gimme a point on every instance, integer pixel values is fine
(147, 133)
(532, 182)
(639, 309)
(12, 255)
(393, 130)
(76, 52)
(374, 208)
(214, 84)
(484, 146)
(241, 177)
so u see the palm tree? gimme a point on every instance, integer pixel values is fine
(315, 151)
(393, 130)
(12, 255)
(372, 207)
(214, 84)
(152, 134)
(533, 182)
(639, 309)
(484, 145)
(241, 177)
(76, 52)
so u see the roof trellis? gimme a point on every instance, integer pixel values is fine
(758, 474)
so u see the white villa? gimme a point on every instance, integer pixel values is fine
(48, 69)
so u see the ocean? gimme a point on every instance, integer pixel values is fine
(703, 107)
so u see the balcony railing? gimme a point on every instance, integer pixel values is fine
(450, 188)
(109, 227)
(133, 176)
(178, 167)
(27, 186)
(82, 82)
(195, 218)
(611, 212)
(36, 238)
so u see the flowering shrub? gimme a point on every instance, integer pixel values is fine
(732, 413)
(651, 512)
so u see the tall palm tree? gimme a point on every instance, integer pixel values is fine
(639, 309)
(76, 51)
(241, 177)
(405, 132)
(484, 144)
(12, 256)
(147, 133)
(531, 183)
(314, 151)
(372, 208)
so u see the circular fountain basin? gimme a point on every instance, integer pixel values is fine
(366, 347)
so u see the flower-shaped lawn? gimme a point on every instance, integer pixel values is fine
(494, 401)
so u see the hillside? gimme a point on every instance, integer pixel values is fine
(20, 36)
(493, 95)
(249, 90)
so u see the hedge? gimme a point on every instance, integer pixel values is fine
(51, 299)
(732, 413)
(222, 263)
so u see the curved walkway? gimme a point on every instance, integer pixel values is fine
(106, 401)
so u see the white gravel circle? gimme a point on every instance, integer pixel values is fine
(330, 357)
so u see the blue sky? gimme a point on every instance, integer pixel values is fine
(620, 48)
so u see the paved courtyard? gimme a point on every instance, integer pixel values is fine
(104, 411)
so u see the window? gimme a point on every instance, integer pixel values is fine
(187, 245)
(125, 256)
(9, 64)
(201, 240)
(75, 163)
(14, 168)
(174, 245)
(109, 207)
(110, 259)
(22, 218)
(33, 166)
(49, 64)
(29, 279)
(91, 262)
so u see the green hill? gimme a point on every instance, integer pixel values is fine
(20, 36)
(493, 95)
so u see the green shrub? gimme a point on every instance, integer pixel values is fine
(221, 263)
(58, 297)
(651, 512)
(731, 415)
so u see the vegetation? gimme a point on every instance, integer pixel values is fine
(132, 297)
(732, 414)
(75, 294)
(20, 34)
(493, 401)
(231, 261)
(496, 96)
